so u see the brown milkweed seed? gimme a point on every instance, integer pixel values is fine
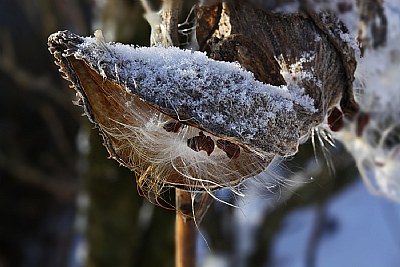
(201, 142)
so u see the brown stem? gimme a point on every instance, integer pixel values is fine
(170, 17)
(185, 230)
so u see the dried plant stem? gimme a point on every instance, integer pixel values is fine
(185, 230)
(170, 17)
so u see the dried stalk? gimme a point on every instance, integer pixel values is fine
(185, 230)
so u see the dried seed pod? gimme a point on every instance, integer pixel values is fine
(131, 94)
(313, 51)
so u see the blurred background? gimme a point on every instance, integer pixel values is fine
(63, 203)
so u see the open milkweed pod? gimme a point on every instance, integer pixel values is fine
(176, 117)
